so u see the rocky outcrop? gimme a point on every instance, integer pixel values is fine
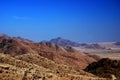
(105, 68)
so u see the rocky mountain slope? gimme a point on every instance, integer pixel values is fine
(23, 59)
(35, 67)
(105, 68)
(59, 54)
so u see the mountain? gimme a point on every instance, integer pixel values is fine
(65, 42)
(23, 59)
(59, 54)
(105, 68)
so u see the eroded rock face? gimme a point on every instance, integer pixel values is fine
(105, 68)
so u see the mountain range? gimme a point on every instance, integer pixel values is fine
(65, 42)
(65, 55)
(23, 59)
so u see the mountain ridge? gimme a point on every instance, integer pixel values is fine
(60, 54)
(64, 42)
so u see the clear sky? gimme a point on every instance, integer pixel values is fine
(77, 20)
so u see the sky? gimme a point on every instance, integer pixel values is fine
(77, 20)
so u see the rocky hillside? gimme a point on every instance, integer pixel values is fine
(105, 68)
(35, 67)
(23, 59)
(59, 54)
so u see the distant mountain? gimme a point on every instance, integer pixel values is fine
(105, 68)
(65, 42)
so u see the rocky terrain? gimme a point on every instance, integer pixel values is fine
(24, 59)
(35, 67)
(105, 68)
(59, 54)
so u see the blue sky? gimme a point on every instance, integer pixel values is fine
(77, 20)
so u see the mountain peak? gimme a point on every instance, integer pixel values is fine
(58, 39)
(64, 42)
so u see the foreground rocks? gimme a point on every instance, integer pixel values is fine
(105, 68)
(18, 68)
